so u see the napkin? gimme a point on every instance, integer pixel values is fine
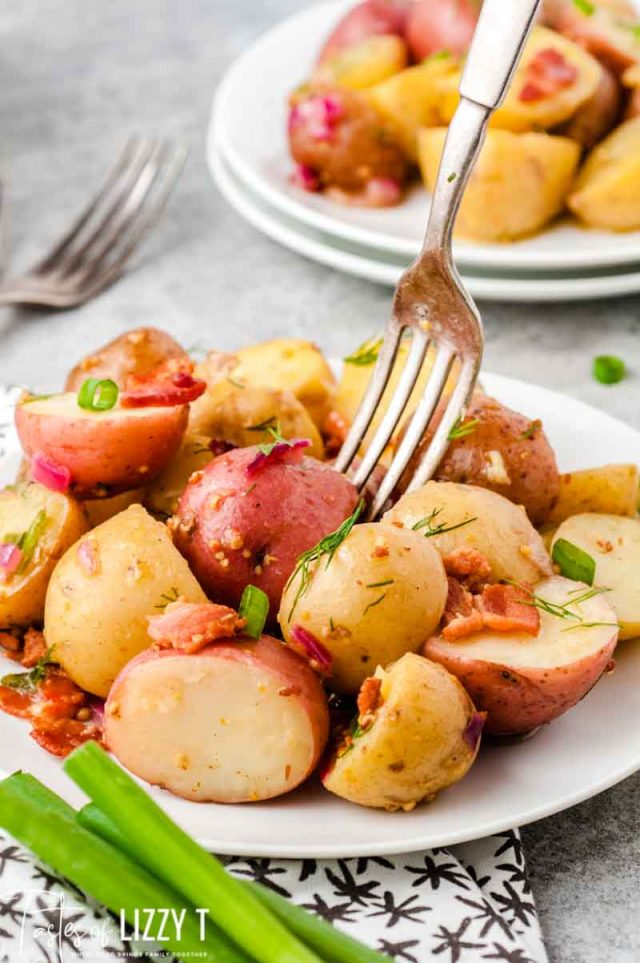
(465, 904)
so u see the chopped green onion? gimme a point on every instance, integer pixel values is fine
(366, 354)
(438, 55)
(173, 856)
(45, 824)
(452, 176)
(608, 370)
(585, 7)
(97, 395)
(574, 563)
(254, 607)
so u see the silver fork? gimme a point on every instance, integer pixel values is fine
(93, 253)
(430, 302)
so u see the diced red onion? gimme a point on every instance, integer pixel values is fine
(280, 451)
(96, 706)
(50, 474)
(318, 115)
(305, 177)
(312, 648)
(473, 731)
(10, 558)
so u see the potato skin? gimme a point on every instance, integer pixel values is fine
(135, 352)
(415, 747)
(236, 528)
(505, 452)
(181, 721)
(606, 490)
(383, 592)
(106, 452)
(500, 530)
(595, 118)
(517, 696)
(605, 194)
(102, 590)
(22, 595)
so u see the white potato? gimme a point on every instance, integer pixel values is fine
(614, 544)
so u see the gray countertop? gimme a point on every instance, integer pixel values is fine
(75, 79)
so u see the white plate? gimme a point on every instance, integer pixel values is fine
(584, 752)
(249, 123)
(386, 269)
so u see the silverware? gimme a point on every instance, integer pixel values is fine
(431, 304)
(95, 250)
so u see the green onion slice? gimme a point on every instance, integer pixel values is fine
(97, 395)
(574, 563)
(608, 369)
(254, 607)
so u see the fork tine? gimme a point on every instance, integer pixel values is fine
(116, 203)
(102, 270)
(417, 427)
(398, 403)
(375, 389)
(460, 398)
(113, 175)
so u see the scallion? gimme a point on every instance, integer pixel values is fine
(608, 369)
(254, 607)
(98, 395)
(573, 562)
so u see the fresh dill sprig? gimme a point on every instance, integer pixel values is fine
(463, 428)
(373, 604)
(26, 681)
(441, 527)
(167, 597)
(562, 611)
(366, 354)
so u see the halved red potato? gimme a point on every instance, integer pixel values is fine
(466, 516)
(436, 25)
(522, 681)
(383, 592)
(416, 733)
(238, 721)
(370, 18)
(104, 451)
(241, 522)
(595, 118)
(607, 30)
(137, 352)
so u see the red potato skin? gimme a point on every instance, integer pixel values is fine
(369, 19)
(436, 25)
(598, 115)
(516, 702)
(271, 517)
(266, 653)
(104, 455)
(137, 352)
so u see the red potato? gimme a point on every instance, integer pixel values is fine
(435, 25)
(524, 682)
(236, 526)
(607, 33)
(133, 354)
(372, 18)
(104, 451)
(598, 115)
(237, 722)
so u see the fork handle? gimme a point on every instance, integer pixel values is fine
(498, 42)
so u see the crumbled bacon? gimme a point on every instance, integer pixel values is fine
(170, 384)
(35, 648)
(460, 618)
(369, 700)
(189, 626)
(507, 608)
(468, 565)
(546, 74)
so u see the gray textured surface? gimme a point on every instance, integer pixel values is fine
(75, 79)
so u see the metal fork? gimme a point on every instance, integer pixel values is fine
(95, 250)
(431, 303)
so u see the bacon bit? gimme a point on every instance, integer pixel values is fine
(55, 477)
(290, 451)
(369, 700)
(461, 618)
(604, 546)
(171, 383)
(288, 690)
(88, 557)
(35, 648)
(334, 432)
(190, 626)
(504, 608)
(380, 547)
(468, 565)
(10, 642)
(546, 74)
(307, 645)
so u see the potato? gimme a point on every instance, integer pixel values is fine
(291, 364)
(43, 525)
(494, 526)
(242, 414)
(521, 179)
(610, 490)
(614, 544)
(522, 110)
(436, 25)
(99, 510)
(363, 64)
(502, 450)
(411, 99)
(595, 118)
(104, 451)
(238, 721)
(164, 493)
(631, 81)
(136, 352)
(371, 18)
(606, 193)
(523, 682)
(237, 524)
(102, 591)
(384, 589)
(418, 735)
(607, 29)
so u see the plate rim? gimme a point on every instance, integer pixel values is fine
(489, 256)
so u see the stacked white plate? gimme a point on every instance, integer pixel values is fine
(249, 159)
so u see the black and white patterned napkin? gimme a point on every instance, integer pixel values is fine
(466, 904)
